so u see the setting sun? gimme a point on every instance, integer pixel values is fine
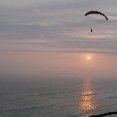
(88, 57)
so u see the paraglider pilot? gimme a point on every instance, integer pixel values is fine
(91, 30)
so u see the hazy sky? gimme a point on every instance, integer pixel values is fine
(58, 65)
(37, 25)
(30, 27)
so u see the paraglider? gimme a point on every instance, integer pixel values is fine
(91, 30)
(96, 12)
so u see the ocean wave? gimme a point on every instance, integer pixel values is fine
(29, 108)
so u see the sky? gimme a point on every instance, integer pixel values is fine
(52, 25)
(51, 38)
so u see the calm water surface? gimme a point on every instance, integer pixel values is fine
(57, 98)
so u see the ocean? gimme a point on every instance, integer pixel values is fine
(75, 97)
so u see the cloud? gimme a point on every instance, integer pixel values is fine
(57, 25)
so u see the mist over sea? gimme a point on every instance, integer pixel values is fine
(40, 84)
(75, 97)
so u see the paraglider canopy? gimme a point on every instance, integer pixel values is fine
(96, 12)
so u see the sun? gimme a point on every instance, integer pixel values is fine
(88, 57)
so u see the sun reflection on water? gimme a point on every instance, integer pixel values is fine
(87, 101)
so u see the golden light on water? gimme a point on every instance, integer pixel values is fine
(87, 100)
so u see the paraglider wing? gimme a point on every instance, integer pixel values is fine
(96, 12)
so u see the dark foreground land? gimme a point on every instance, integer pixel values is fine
(104, 114)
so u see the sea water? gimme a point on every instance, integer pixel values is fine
(56, 98)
